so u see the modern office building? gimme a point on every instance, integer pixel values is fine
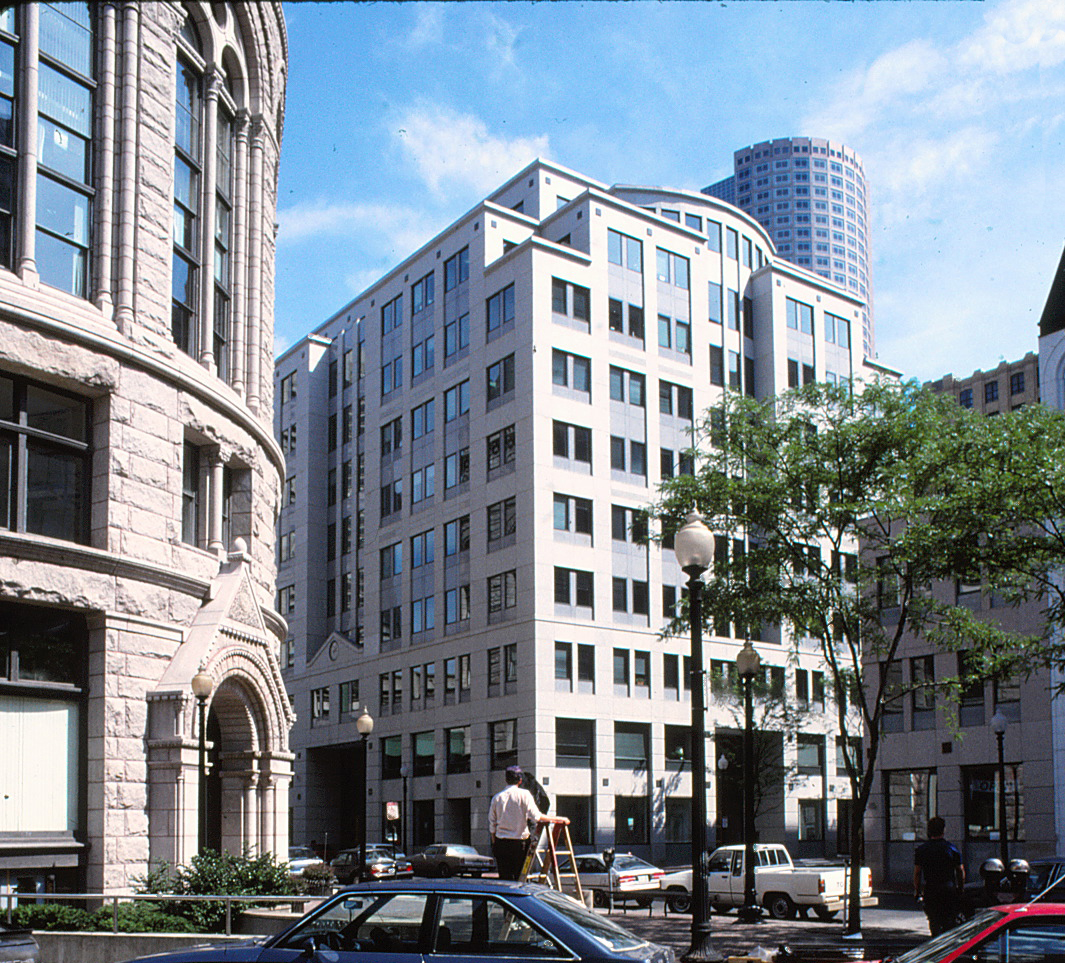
(469, 443)
(930, 762)
(811, 196)
(139, 477)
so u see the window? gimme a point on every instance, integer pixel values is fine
(457, 401)
(423, 751)
(571, 371)
(628, 524)
(573, 587)
(319, 705)
(574, 743)
(349, 698)
(502, 592)
(641, 664)
(422, 293)
(564, 666)
(191, 503)
(616, 318)
(500, 308)
(631, 745)
(922, 681)
(457, 269)
(457, 536)
(1017, 383)
(499, 378)
(500, 449)
(675, 400)
(632, 820)
(187, 229)
(811, 820)
(392, 314)
(391, 437)
(731, 243)
(628, 387)
(392, 498)
(713, 233)
(502, 520)
(422, 549)
(991, 391)
(391, 560)
(980, 786)
(391, 379)
(457, 745)
(503, 741)
(423, 614)
(457, 604)
(837, 330)
(573, 514)
(457, 468)
(672, 269)
(571, 300)
(637, 456)
(911, 802)
(572, 442)
(422, 483)
(800, 317)
(456, 334)
(423, 418)
(971, 707)
(286, 599)
(733, 304)
(965, 397)
(624, 250)
(586, 668)
(621, 672)
(810, 755)
(891, 717)
(391, 756)
(423, 356)
(391, 624)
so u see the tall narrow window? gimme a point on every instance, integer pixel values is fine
(223, 221)
(188, 114)
(64, 172)
(8, 158)
(190, 493)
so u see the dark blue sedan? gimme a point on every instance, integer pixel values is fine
(442, 921)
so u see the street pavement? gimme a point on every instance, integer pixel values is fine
(887, 930)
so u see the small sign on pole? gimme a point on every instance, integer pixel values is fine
(391, 811)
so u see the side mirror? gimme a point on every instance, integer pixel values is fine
(310, 949)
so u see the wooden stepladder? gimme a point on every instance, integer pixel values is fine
(541, 866)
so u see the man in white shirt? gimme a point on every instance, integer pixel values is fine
(508, 824)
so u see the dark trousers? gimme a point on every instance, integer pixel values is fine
(510, 857)
(941, 907)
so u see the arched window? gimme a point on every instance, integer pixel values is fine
(188, 171)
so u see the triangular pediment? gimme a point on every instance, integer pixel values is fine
(337, 648)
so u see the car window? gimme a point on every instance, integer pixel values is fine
(589, 866)
(763, 857)
(1032, 941)
(483, 926)
(378, 923)
(720, 863)
(627, 862)
(598, 927)
(737, 864)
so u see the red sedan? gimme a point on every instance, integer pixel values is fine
(1023, 933)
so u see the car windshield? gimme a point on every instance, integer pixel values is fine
(598, 927)
(627, 862)
(940, 945)
(462, 851)
(1043, 875)
(301, 852)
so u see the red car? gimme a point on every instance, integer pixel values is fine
(1020, 933)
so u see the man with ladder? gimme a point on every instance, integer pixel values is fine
(509, 816)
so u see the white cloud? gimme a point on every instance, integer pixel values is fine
(400, 228)
(501, 40)
(1016, 36)
(453, 151)
(428, 28)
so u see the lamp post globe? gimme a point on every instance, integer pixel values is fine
(694, 544)
(748, 664)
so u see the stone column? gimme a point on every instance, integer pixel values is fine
(212, 81)
(238, 269)
(255, 255)
(127, 167)
(250, 829)
(269, 801)
(105, 180)
(27, 163)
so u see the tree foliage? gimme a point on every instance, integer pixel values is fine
(935, 495)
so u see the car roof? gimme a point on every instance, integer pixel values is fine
(447, 885)
(1032, 909)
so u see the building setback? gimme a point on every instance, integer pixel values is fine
(811, 196)
(468, 444)
(139, 475)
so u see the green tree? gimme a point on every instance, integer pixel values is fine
(803, 478)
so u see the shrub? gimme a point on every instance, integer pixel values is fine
(140, 916)
(316, 880)
(211, 873)
(50, 916)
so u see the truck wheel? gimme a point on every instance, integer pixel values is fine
(780, 906)
(825, 914)
(680, 901)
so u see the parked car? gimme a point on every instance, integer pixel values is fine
(451, 859)
(1046, 879)
(626, 876)
(441, 921)
(345, 865)
(300, 857)
(403, 864)
(18, 946)
(1018, 933)
(782, 887)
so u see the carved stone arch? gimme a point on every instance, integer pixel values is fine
(236, 76)
(203, 27)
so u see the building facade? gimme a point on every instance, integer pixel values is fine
(938, 760)
(140, 479)
(811, 196)
(469, 443)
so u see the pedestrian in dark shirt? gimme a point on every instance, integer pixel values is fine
(939, 876)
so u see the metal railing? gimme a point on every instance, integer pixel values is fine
(297, 902)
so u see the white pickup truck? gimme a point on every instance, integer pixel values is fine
(782, 887)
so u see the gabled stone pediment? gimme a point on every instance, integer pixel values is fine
(337, 648)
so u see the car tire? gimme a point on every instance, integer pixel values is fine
(444, 870)
(779, 906)
(825, 914)
(599, 897)
(679, 900)
(644, 901)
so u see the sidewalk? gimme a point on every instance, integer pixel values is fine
(886, 931)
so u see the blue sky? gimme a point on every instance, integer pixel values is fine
(401, 116)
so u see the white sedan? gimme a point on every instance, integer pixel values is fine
(628, 877)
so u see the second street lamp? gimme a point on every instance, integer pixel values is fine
(364, 726)
(694, 547)
(998, 727)
(202, 686)
(748, 663)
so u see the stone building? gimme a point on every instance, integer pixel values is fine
(139, 479)
(469, 444)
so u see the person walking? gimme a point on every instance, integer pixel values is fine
(938, 875)
(508, 824)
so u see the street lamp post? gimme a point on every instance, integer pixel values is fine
(998, 726)
(404, 771)
(694, 547)
(747, 665)
(364, 726)
(202, 686)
